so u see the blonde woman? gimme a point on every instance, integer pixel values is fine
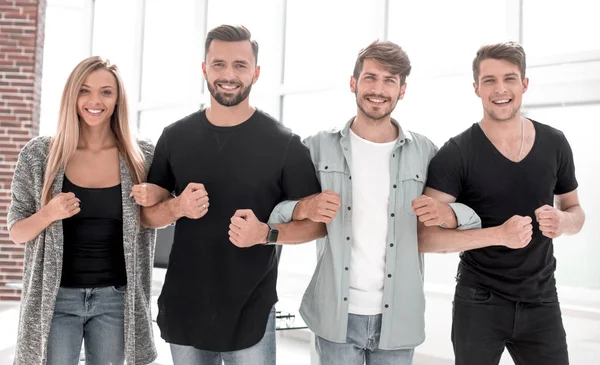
(88, 262)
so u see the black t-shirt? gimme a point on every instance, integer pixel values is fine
(93, 239)
(470, 168)
(216, 296)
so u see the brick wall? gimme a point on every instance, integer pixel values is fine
(21, 51)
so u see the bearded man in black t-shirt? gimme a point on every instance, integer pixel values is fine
(217, 301)
(519, 177)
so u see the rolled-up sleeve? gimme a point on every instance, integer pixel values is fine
(283, 212)
(465, 217)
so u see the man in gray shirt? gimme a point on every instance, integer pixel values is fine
(365, 301)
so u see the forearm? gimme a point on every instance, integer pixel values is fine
(161, 214)
(439, 240)
(29, 228)
(300, 210)
(574, 219)
(300, 231)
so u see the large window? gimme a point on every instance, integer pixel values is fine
(557, 27)
(442, 37)
(577, 255)
(324, 37)
(73, 14)
(307, 54)
(270, 37)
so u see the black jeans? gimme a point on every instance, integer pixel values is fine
(484, 323)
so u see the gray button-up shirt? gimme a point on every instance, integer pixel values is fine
(324, 306)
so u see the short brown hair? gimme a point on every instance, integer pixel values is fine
(387, 53)
(231, 33)
(509, 51)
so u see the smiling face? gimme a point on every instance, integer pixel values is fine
(501, 87)
(377, 90)
(230, 71)
(97, 98)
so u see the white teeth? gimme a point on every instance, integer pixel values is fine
(94, 111)
(228, 87)
(501, 101)
(376, 100)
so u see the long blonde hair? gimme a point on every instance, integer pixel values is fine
(64, 143)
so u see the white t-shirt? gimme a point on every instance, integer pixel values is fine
(370, 199)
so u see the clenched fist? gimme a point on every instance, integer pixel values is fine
(431, 211)
(62, 206)
(246, 230)
(322, 207)
(550, 220)
(517, 232)
(147, 194)
(193, 201)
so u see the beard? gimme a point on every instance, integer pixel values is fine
(382, 113)
(229, 99)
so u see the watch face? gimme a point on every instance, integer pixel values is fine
(273, 234)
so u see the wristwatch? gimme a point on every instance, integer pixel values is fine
(272, 235)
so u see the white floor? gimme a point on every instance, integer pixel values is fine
(581, 319)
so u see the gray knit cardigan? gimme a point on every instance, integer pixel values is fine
(44, 254)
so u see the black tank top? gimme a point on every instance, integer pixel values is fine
(93, 239)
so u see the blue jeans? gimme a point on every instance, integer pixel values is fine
(362, 346)
(263, 353)
(94, 315)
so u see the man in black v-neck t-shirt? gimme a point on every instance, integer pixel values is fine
(217, 301)
(510, 170)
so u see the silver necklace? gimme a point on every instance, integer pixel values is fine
(522, 137)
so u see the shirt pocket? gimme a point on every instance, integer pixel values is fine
(333, 175)
(412, 184)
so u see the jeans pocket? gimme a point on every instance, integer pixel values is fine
(471, 294)
(119, 288)
(549, 303)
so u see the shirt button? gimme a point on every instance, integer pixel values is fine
(395, 186)
(417, 176)
(392, 214)
(349, 208)
(391, 245)
(346, 268)
(350, 177)
(345, 148)
(326, 167)
(347, 238)
(345, 299)
(394, 155)
(387, 306)
(389, 275)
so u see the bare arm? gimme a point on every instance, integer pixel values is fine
(191, 203)
(27, 229)
(295, 232)
(62, 206)
(161, 214)
(301, 229)
(147, 195)
(574, 216)
(514, 233)
(566, 218)
(246, 230)
(440, 240)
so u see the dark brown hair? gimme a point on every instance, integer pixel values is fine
(389, 54)
(509, 51)
(231, 33)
